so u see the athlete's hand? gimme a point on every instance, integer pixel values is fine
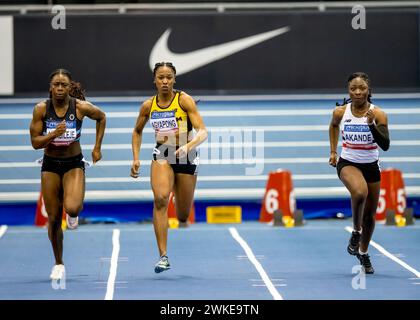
(182, 151)
(333, 158)
(96, 155)
(370, 116)
(60, 129)
(135, 169)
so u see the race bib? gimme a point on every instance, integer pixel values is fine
(357, 134)
(164, 121)
(69, 135)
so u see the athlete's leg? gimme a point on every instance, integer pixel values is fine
(354, 181)
(184, 194)
(52, 193)
(162, 181)
(368, 222)
(74, 191)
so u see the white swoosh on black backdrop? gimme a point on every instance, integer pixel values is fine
(188, 61)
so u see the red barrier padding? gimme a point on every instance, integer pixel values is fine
(392, 194)
(41, 216)
(172, 209)
(279, 194)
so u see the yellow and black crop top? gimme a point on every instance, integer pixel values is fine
(169, 119)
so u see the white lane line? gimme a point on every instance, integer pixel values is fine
(246, 161)
(261, 279)
(217, 145)
(227, 129)
(229, 113)
(114, 264)
(202, 179)
(3, 230)
(221, 98)
(263, 285)
(122, 259)
(259, 257)
(390, 256)
(200, 194)
(263, 177)
(276, 295)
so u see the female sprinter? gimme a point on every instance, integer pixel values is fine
(56, 127)
(364, 127)
(173, 114)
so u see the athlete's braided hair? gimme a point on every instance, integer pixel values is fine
(162, 64)
(365, 77)
(76, 90)
(60, 71)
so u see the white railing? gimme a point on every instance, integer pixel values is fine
(218, 7)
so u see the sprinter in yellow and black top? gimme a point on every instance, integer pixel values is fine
(173, 114)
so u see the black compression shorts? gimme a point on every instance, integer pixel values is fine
(371, 171)
(62, 165)
(187, 165)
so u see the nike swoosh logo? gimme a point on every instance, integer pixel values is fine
(186, 62)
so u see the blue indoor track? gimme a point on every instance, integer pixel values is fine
(249, 136)
(246, 261)
(209, 263)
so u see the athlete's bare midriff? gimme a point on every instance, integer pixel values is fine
(71, 150)
(173, 138)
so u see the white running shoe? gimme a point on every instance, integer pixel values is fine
(58, 272)
(72, 223)
(162, 264)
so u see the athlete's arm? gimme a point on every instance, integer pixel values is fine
(188, 104)
(136, 139)
(378, 125)
(38, 140)
(93, 112)
(334, 130)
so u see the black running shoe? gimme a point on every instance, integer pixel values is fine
(353, 247)
(365, 262)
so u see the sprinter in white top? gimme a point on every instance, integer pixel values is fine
(357, 140)
(364, 128)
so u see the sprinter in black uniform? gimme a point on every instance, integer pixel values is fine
(56, 127)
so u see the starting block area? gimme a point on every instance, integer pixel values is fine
(400, 220)
(278, 206)
(224, 214)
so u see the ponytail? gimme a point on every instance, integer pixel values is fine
(76, 90)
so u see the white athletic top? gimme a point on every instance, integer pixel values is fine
(358, 143)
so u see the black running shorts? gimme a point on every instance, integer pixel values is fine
(62, 165)
(371, 171)
(187, 165)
